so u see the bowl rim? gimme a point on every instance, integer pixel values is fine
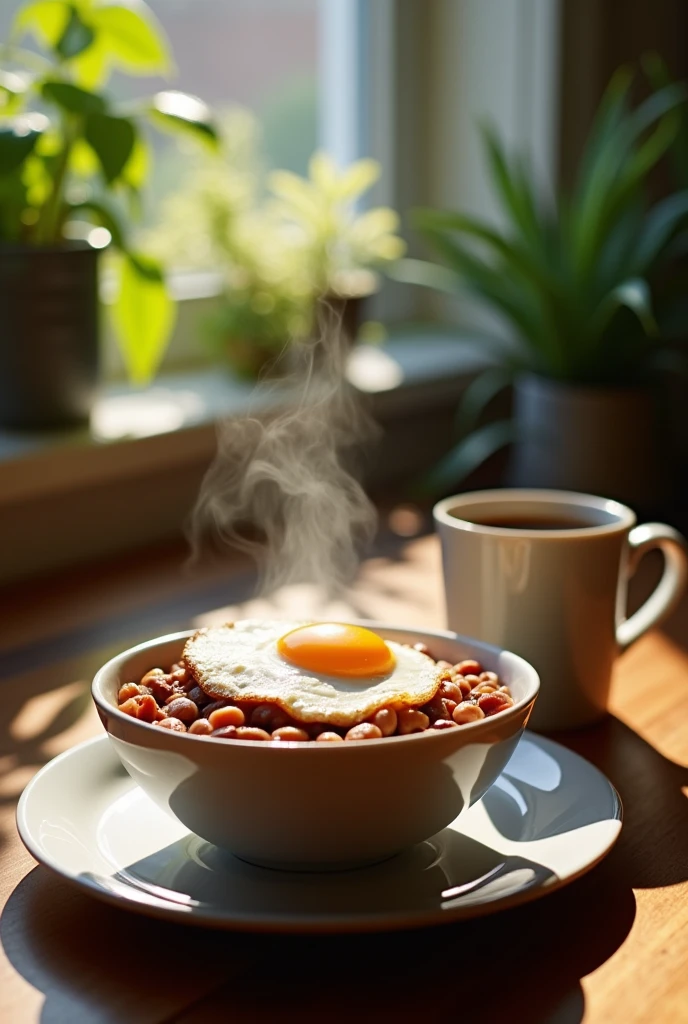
(517, 707)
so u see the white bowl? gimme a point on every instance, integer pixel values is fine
(318, 806)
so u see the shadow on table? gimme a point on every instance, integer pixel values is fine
(95, 962)
(652, 850)
(90, 961)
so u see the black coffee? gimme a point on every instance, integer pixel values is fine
(527, 522)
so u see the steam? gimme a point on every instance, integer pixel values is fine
(282, 487)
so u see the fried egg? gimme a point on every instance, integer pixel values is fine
(327, 672)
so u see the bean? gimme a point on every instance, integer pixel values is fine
(130, 707)
(491, 703)
(451, 690)
(201, 727)
(411, 720)
(226, 716)
(443, 723)
(438, 707)
(444, 666)
(154, 673)
(490, 677)
(214, 705)
(364, 731)
(467, 712)
(161, 689)
(472, 680)
(469, 667)
(173, 724)
(246, 732)
(386, 721)
(127, 691)
(423, 648)
(179, 674)
(227, 732)
(329, 737)
(290, 734)
(197, 695)
(269, 717)
(147, 708)
(484, 688)
(183, 709)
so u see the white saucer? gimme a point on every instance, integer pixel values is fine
(549, 818)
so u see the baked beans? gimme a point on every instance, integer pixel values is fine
(173, 700)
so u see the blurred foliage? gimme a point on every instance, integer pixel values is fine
(72, 159)
(282, 241)
(573, 279)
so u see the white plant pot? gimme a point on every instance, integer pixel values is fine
(599, 440)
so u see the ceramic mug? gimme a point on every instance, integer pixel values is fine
(545, 574)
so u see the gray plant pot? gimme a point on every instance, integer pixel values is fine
(599, 440)
(48, 335)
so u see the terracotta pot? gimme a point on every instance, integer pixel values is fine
(598, 440)
(48, 335)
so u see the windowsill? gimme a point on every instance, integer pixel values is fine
(172, 422)
(132, 479)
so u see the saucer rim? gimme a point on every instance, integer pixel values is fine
(288, 924)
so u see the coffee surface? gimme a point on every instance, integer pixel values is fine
(528, 522)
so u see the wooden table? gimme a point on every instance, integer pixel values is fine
(611, 947)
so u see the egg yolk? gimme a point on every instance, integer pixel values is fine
(336, 649)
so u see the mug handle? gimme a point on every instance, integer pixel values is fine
(668, 591)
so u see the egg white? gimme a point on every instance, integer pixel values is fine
(240, 662)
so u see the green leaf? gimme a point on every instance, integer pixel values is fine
(18, 136)
(607, 120)
(74, 99)
(13, 87)
(521, 306)
(619, 172)
(658, 74)
(514, 190)
(143, 316)
(112, 139)
(133, 36)
(437, 224)
(467, 456)
(358, 178)
(183, 112)
(661, 223)
(105, 216)
(138, 165)
(46, 19)
(82, 160)
(76, 37)
(90, 68)
(478, 396)
(425, 274)
(634, 295)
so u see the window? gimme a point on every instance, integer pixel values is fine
(257, 54)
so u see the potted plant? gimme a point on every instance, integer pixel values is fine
(571, 281)
(73, 163)
(293, 251)
(342, 248)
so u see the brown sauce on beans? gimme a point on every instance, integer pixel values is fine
(174, 701)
